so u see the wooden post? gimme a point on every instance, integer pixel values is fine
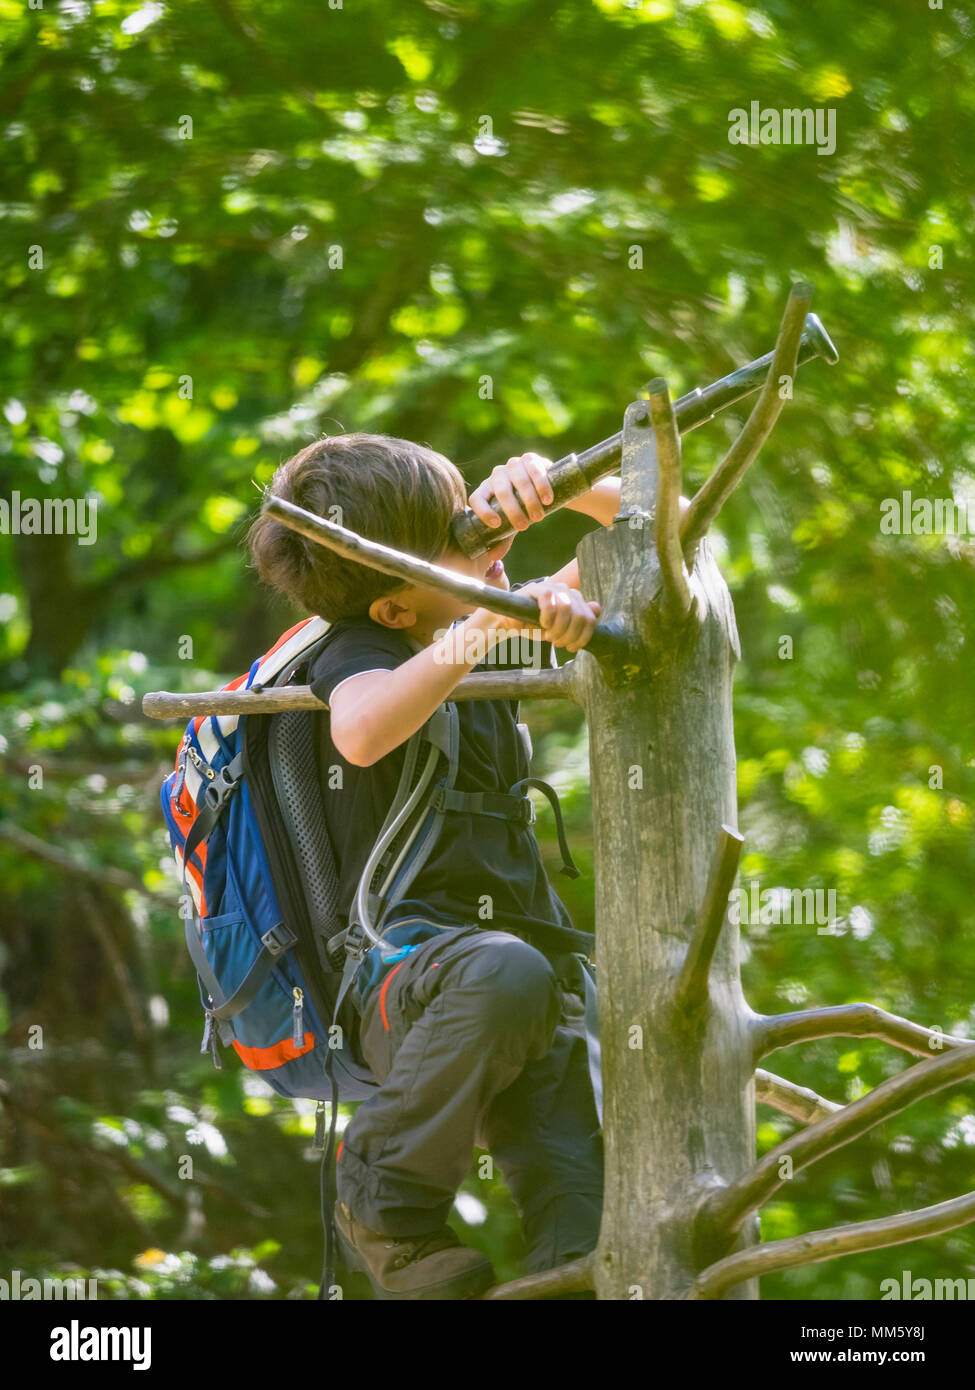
(678, 1084)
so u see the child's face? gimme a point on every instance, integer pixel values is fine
(488, 568)
(440, 610)
(431, 611)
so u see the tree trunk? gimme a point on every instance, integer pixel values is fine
(678, 1087)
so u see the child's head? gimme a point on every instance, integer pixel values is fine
(386, 489)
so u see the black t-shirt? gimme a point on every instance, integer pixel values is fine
(476, 859)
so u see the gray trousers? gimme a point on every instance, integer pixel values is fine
(475, 1041)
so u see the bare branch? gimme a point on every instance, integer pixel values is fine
(559, 683)
(724, 1210)
(815, 1246)
(77, 769)
(551, 683)
(31, 844)
(52, 1133)
(692, 985)
(607, 643)
(773, 1031)
(125, 987)
(709, 500)
(574, 471)
(385, 558)
(575, 1277)
(790, 1099)
(677, 594)
(257, 47)
(158, 561)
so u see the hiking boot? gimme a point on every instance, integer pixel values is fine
(430, 1266)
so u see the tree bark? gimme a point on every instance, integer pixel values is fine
(678, 1084)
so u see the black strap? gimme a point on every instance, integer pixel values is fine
(278, 939)
(568, 867)
(509, 806)
(516, 808)
(215, 797)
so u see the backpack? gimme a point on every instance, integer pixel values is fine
(246, 824)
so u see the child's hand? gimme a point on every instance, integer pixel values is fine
(522, 488)
(566, 619)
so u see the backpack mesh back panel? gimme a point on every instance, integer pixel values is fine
(291, 749)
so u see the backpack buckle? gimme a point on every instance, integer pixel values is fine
(203, 767)
(355, 944)
(278, 939)
(221, 788)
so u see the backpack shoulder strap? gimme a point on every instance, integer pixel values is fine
(412, 823)
(410, 812)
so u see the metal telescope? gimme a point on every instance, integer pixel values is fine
(575, 474)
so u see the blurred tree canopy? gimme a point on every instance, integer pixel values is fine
(227, 228)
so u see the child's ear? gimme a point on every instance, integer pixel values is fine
(392, 611)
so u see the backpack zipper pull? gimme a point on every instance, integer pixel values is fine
(318, 1143)
(298, 1031)
(209, 1043)
(180, 771)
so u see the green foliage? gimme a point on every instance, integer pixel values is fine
(259, 223)
(169, 1275)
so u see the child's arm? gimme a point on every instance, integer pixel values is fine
(528, 474)
(522, 487)
(602, 503)
(374, 712)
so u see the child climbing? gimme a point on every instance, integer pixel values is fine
(469, 1016)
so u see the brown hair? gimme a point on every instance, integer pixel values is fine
(387, 489)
